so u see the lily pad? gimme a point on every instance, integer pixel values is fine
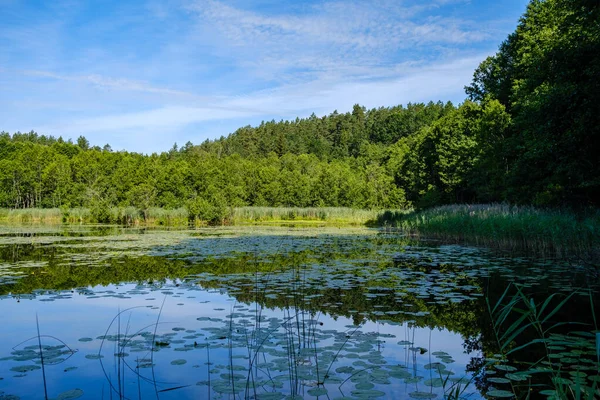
(500, 393)
(70, 394)
(422, 395)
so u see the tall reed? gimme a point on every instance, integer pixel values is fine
(324, 215)
(31, 215)
(517, 315)
(553, 233)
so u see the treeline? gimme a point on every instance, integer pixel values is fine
(38, 171)
(297, 164)
(528, 134)
(336, 136)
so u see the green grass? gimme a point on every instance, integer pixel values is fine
(31, 215)
(321, 215)
(551, 233)
(156, 216)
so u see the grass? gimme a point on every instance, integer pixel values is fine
(157, 216)
(549, 233)
(31, 215)
(321, 215)
(80, 215)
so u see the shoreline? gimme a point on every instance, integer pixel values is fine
(553, 233)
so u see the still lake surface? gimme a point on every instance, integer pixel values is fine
(269, 313)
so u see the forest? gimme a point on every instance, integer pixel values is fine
(527, 133)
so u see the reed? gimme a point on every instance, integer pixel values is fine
(162, 216)
(31, 215)
(156, 216)
(116, 215)
(516, 315)
(550, 233)
(76, 215)
(319, 215)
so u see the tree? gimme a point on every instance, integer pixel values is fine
(545, 74)
(83, 143)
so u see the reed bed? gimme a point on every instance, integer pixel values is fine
(162, 216)
(326, 215)
(157, 216)
(551, 233)
(31, 215)
(80, 215)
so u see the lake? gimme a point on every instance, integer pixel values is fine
(97, 312)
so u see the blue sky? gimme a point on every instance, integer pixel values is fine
(141, 75)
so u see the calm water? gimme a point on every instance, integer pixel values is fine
(264, 313)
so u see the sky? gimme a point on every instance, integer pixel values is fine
(143, 75)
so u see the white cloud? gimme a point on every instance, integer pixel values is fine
(359, 40)
(111, 83)
(359, 25)
(437, 82)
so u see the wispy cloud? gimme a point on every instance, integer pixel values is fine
(423, 84)
(110, 83)
(350, 40)
(144, 75)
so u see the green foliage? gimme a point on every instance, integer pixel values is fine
(545, 74)
(65, 175)
(100, 211)
(213, 211)
(442, 163)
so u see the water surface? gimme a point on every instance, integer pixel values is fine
(100, 312)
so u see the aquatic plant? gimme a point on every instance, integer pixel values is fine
(550, 233)
(31, 215)
(287, 287)
(322, 215)
(567, 358)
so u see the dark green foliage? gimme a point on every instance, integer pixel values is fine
(99, 209)
(212, 211)
(546, 75)
(332, 137)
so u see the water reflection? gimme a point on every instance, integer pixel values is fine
(256, 314)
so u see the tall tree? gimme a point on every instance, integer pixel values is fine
(546, 75)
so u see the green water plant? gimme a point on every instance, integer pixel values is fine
(544, 232)
(566, 368)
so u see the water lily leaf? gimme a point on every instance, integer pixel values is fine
(503, 367)
(25, 368)
(516, 377)
(318, 391)
(436, 382)
(499, 380)
(366, 394)
(500, 393)
(422, 395)
(70, 394)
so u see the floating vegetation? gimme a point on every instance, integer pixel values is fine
(269, 313)
(70, 394)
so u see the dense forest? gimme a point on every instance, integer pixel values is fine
(527, 134)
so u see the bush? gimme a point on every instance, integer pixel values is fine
(100, 211)
(214, 211)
